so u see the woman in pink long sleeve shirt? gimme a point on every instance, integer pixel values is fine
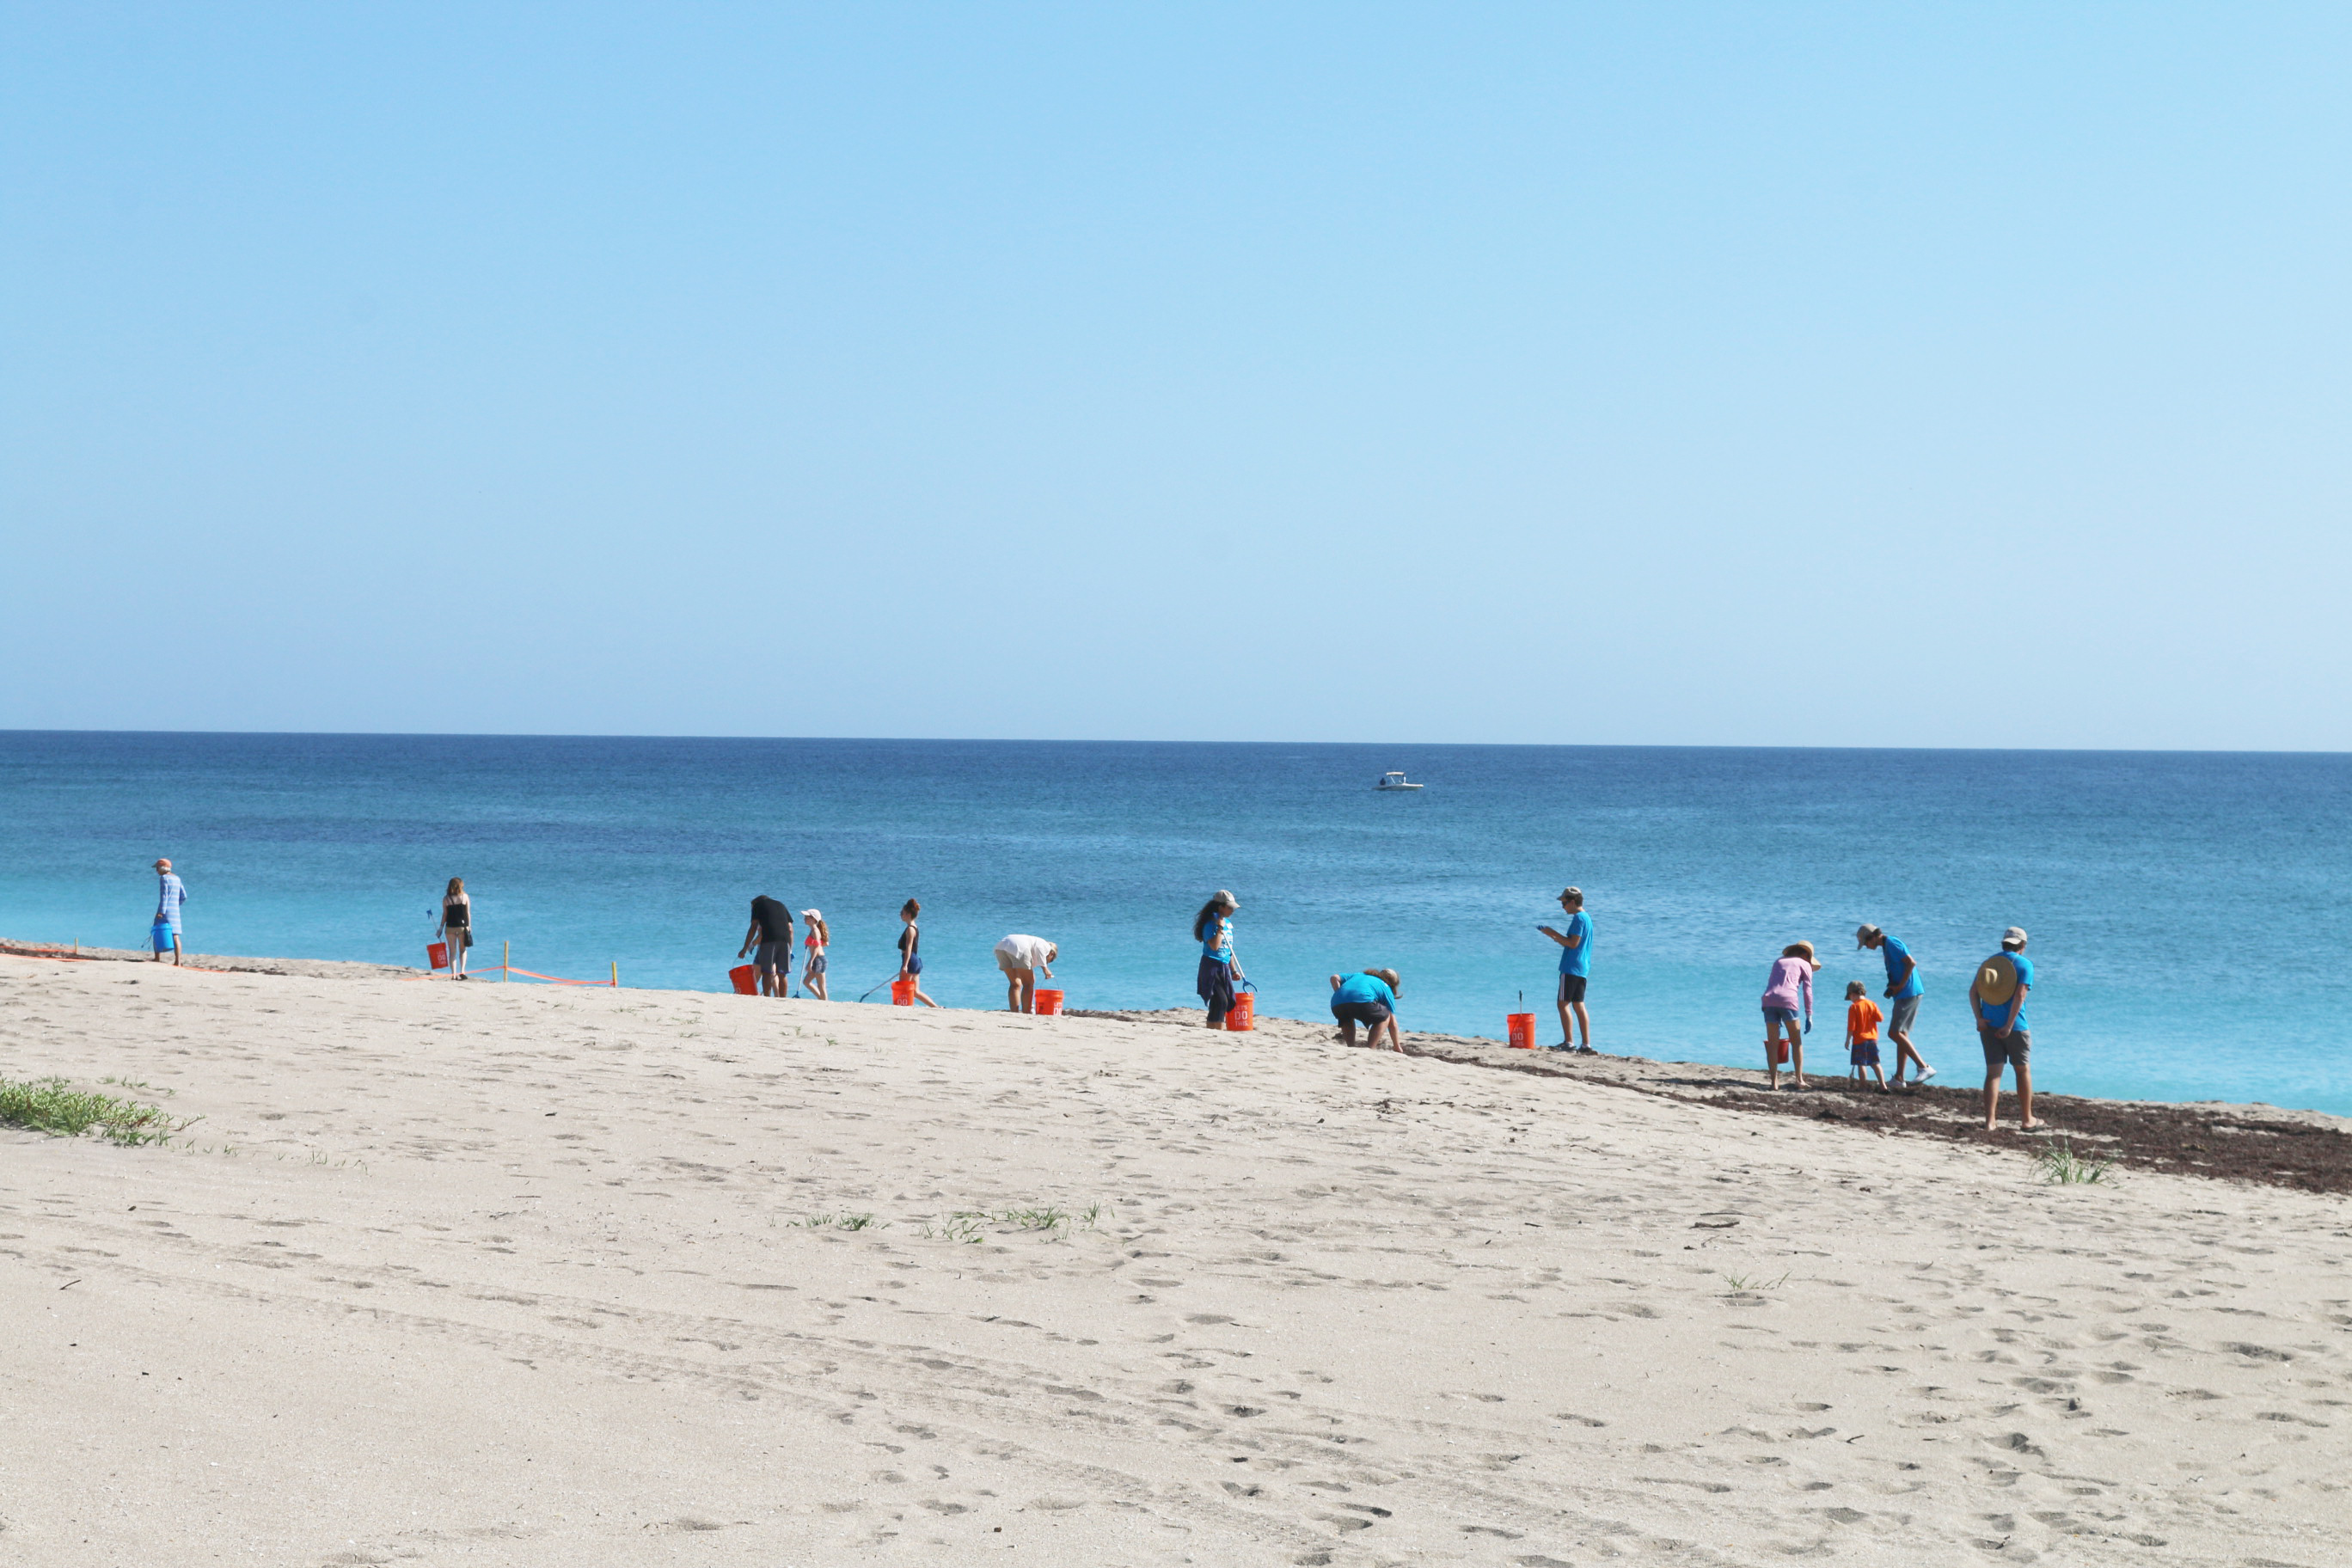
(1787, 989)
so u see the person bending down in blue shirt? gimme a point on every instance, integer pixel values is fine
(1368, 997)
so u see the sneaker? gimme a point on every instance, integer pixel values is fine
(1586, 1051)
(1925, 1074)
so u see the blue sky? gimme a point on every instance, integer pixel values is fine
(1841, 375)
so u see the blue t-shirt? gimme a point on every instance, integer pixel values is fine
(1217, 940)
(1364, 988)
(1578, 960)
(1997, 1018)
(1897, 957)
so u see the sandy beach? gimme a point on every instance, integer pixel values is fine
(510, 1274)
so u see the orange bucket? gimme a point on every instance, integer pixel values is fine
(437, 954)
(746, 982)
(902, 993)
(1778, 1051)
(1047, 1004)
(1519, 1028)
(1242, 1016)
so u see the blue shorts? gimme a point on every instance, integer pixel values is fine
(816, 964)
(1865, 1054)
(1780, 1015)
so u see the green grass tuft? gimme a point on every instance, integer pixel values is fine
(54, 1106)
(2061, 1166)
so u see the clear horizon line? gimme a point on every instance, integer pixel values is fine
(1140, 741)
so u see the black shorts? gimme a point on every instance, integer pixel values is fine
(1572, 987)
(1369, 1014)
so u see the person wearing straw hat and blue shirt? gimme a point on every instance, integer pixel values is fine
(170, 894)
(1997, 998)
(1903, 991)
(1575, 971)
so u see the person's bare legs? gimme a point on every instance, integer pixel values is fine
(1583, 1018)
(923, 999)
(1797, 1054)
(1771, 1057)
(1905, 1051)
(2025, 1097)
(1396, 1040)
(175, 950)
(1020, 990)
(771, 982)
(1348, 1033)
(814, 985)
(1567, 1031)
(1992, 1097)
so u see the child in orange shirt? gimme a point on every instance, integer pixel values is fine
(1862, 1015)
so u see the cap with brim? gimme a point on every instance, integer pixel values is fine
(2013, 937)
(812, 915)
(1862, 937)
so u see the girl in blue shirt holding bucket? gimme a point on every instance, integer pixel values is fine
(1213, 928)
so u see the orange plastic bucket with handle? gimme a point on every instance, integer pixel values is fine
(902, 993)
(1047, 1004)
(1519, 1028)
(1241, 1018)
(747, 981)
(437, 954)
(1779, 1050)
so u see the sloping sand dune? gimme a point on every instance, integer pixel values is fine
(497, 1274)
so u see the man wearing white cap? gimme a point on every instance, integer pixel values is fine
(1903, 991)
(1997, 998)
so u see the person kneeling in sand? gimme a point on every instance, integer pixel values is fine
(1368, 997)
(1022, 959)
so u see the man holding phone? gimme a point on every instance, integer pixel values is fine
(1575, 971)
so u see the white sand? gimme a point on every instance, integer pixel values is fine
(492, 1274)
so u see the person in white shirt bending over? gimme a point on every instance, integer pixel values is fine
(1022, 959)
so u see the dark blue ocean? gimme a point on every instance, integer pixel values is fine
(2187, 911)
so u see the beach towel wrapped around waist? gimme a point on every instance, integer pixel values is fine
(1215, 985)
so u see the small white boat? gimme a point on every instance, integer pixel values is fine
(1395, 780)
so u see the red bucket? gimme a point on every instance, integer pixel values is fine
(437, 954)
(746, 979)
(1519, 1028)
(902, 993)
(1778, 1049)
(1241, 1018)
(1048, 1003)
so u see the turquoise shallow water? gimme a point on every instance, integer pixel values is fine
(2188, 911)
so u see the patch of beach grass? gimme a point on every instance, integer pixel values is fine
(1751, 1285)
(839, 1221)
(2061, 1166)
(54, 1106)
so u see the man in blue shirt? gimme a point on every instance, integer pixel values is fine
(1903, 991)
(1575, 970)
(1997, 998)
(1368, 997)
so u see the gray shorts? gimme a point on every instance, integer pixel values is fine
(1899, 1014)
(2010, 1052)
(772, 956)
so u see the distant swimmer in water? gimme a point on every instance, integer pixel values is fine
(1213, 928)
(910, 952)
(1368, 997)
